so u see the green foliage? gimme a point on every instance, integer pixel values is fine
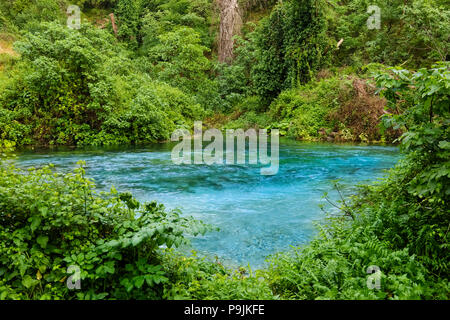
(128, 13)
(334, 108)
(334, 266)
(162, 16)
(290, 47)
(153, 114)
(49, 222)
(234, 80)
(199, 279)
(248, 120)
(77, 87)
(399, 224)
(414, 32)
(6, 146)
(58, 89)
(179, 58)
(17, 15)
(424, 177)
(306, 108)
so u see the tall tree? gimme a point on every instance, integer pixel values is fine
(230, 25)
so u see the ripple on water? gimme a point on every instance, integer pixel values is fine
(257, 215)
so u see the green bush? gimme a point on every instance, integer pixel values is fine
(412, 33)
(128, 14)
(49, 222)
(18, 15)
(165, 16)
(334, 266)
(58, 87)
(156, 111)
(419, 189)
(200, 279)
(399, 224)
(248, 120)
(290, 47)
(78, 87)
(305, 109)
(179, 58)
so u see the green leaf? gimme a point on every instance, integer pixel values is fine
(139, 281)
(444, 145)
(136, 240)
(109, 267)
(29, 282)
(42, 241)
(43, 211)
(35, 222)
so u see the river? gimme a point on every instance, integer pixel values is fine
(257, 215)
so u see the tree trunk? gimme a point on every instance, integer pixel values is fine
(230, 25)
(113, 23)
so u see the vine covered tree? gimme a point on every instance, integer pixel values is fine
(291, 45)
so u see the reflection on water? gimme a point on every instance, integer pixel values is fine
(257, 215)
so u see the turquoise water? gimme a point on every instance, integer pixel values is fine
(257, 215)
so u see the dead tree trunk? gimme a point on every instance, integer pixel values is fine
(230, 25)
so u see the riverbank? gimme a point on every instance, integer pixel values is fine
(257, 215)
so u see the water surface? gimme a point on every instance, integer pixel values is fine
(257, 215)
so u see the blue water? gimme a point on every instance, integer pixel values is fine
(257, 215)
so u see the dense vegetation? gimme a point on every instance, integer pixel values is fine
(400, 223)
(50, 222)
(155, 69)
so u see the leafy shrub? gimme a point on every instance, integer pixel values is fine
(334, 108)
(290, 47)
(6, 146)
(412, 33)
(248, 120)
(165, 16)
(399, 224)
(128, 14)
(18, 15)
(306, 108)
(334, 266)
(156, 111)
(200, 279)
(58, 88)
(49, 222)
(419, 190)
(76, 87)
(180, 59)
